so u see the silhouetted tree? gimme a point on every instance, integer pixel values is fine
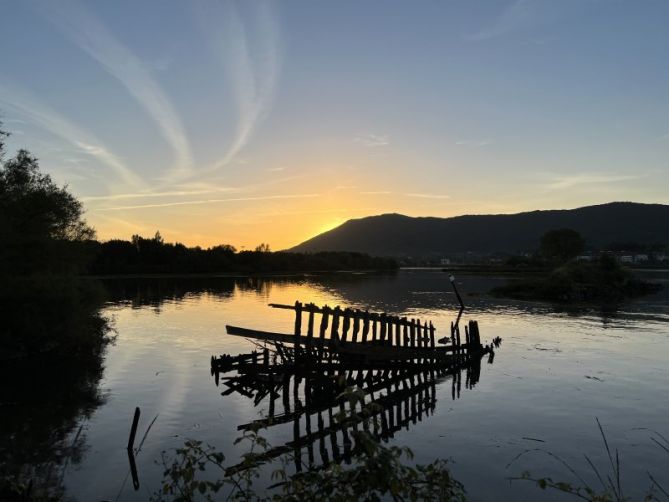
(37, 218)
(262, 248)
(44, 305)
(561, 245)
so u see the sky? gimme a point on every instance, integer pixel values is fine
(269, 122)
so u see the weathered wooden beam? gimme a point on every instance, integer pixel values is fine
(432, 344)
(334, 333)
(298, 324)
(356, 325)
(365, 327)
(384, 327)
(346, 324)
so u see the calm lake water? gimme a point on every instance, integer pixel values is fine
(555, 372)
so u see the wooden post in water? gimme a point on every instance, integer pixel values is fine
(356, 326)
(457, 338)
(477, 334)
(374, 318)
(382, 334)
(323, 329)
(389, 330)
(346, 324)
(415, 336)
(298, 326)
(426, 335)
(133, 430)
(398, 331)
(365, 326)
(431, 335)
(467, 338)
(405, 334)
(334, 334)
(310, 325)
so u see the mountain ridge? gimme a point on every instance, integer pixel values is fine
(394, 234)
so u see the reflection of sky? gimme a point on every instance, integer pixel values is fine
(554, 373)
(225, 121)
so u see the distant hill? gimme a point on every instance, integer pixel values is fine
(399, 235)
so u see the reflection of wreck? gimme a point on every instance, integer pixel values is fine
(395, 362)
(310, 398)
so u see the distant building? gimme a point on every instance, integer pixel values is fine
(445, 261)
(584, 257)
(639, 258)
(626, 258)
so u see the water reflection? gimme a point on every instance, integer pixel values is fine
(168, 328)
(323, 417)
(416, 291)
(44, 406)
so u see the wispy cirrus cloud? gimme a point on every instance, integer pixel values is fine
(210, 201)
(516, 15)
(372, 140)
(428, 195)
(521, 15)
(251, 59)
(150, 195)
(573, 180)
(377, 192)
(82, 27)
(473, 143)
(50, 120)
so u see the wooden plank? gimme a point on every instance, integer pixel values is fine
(334, 334)
(298, 323)
(310, 327)
(365, 327)
(432, 345)
(356, 326)
(398, 332)
(382, 333)
(405, 342)
(346, 324)
(374, 319)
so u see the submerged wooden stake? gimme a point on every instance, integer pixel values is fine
(133, 430)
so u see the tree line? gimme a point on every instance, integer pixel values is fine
(142, 255)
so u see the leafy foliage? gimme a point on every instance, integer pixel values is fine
(44, 305)
(39, 221)
(611, 483)
(377, 473)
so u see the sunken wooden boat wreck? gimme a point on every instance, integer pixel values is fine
(394, 362)
(356, 338)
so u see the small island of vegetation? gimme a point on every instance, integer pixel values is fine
(568, 279)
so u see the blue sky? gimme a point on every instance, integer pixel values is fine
(269, 122)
